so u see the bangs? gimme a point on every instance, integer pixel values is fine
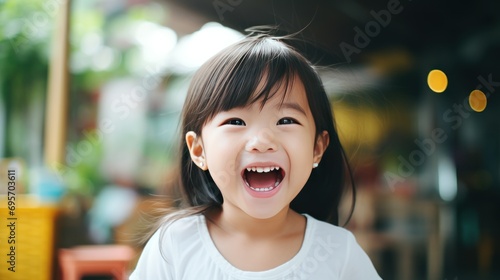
(246, 73)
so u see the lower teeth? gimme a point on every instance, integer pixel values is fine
(278, 181)
(262, 189)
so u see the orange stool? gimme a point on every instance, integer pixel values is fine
(110, 260)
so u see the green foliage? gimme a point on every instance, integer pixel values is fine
(26, 29)
(24, 32)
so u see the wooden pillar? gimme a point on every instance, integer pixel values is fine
(57, 89)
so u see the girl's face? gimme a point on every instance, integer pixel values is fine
(260, 158)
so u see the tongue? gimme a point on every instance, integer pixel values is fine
(261, 180)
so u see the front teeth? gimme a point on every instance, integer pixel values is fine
(262, 169)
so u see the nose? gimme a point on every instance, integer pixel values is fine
(263, 141)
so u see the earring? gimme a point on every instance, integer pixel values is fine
(315, 165)
(201, 164)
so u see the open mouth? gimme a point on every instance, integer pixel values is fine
(263, 179)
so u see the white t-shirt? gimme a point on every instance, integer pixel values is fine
(188, 253)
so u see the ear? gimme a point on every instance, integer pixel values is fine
(322, 142)
(196, 150)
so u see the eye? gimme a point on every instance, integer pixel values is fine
(235, 122)
(287, 121)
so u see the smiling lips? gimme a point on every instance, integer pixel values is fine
(263, 179)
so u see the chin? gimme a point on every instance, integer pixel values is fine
(262, 213)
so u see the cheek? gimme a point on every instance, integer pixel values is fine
(221, 160)
(222, 179)
(301, 158)
(301, 147)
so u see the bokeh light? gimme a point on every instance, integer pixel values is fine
(477, 100)
(437, 81)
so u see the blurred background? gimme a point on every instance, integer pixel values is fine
(91, 97)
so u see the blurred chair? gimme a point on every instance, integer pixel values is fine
(112, 260)
(415, 226)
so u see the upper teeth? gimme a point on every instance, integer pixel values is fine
(262, 169)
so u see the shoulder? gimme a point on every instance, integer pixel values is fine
(182, 225)
(348, 258)
(324, 229)
(167, 247)
(172, 229)
(176, 234)
(335, 241)
(339, 249)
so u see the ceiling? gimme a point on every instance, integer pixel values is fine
(469, 32)
(461, 38)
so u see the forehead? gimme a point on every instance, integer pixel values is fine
(288, 91)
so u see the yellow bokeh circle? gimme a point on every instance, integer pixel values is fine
(437, 81)
(477, 100)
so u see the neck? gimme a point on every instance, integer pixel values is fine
(235, 221)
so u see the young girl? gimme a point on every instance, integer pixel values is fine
(262, 168)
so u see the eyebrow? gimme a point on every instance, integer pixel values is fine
(292, 106)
